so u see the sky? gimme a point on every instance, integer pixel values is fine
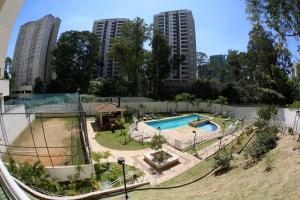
(220, 24)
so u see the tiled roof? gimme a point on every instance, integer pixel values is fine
(108, 107)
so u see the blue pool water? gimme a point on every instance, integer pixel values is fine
(208, 126)
(173, 123)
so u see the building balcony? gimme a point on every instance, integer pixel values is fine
(4, 87)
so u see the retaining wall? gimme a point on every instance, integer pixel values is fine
(14, 121)
(63, 172)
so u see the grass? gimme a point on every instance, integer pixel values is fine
(108, 172)
(201, 146)
(254, 183)
(117, 140)
(281, 183)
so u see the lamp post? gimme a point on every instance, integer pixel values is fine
(159, 129)
(194, 139)
(222, 134)
(121, 161)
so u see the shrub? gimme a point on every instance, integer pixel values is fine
(266, 112)
(223, 159)
(157, 141)
(291, 131)
(85, 98)
(269, 160)
(263, 143)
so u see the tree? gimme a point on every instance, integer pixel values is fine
(198, 101)
(186, 97)
(129, 52)
(8, 68)
(264, 141)
(106, 155)
(267, 112)
(270, 78)
(160, 65)
(209, 104)
(97, 156)
(76, 59)
(95, 87)
(157, 141)
(222, 101)
(202, 63)
(39, 87)
(279, 15)
(223, 159)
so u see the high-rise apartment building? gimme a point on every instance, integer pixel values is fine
(106, 30)
(178, 28)
(33, 51)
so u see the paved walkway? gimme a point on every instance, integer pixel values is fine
(136, 158)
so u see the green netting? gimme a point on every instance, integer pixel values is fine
(49, 103)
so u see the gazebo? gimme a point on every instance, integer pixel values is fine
(114, 112)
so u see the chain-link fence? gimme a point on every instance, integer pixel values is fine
(48, 128)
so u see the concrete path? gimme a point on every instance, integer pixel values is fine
(136, 158)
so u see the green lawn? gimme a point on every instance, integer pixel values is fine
(204, 166)
(201, 146)
(117, 140)
(108, 172)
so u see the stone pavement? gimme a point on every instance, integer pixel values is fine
(136, 158)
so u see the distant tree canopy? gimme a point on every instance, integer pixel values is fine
(76, 59)
(260, 75)
(128, 50)
(279, 15)
(39, 87)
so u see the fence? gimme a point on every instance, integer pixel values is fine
(50, 128)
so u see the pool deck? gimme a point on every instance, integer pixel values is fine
(181, 137)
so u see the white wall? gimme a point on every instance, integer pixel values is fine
(62, 172)
(14, 124)
(8, 14)
(285, 115)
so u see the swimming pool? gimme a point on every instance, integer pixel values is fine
(174, 122)
(208, 126)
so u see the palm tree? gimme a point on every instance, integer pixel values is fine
(96, 156)
(188, 98)
(209, 104)
(106, 155)
(222, 101)
(156, 144)
(197, 102)
(142, 107)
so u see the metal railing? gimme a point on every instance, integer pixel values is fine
(10, 187)
(129, 176)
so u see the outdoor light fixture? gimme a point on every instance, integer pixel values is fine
(159, 129)
(222, 134)
(121, 161)
(194, 139)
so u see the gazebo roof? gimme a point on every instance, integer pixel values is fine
(108, 107)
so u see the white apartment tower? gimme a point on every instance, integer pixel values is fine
(106, 30)
(33, 51)
(179, 29)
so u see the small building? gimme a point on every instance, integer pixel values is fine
(107, 114)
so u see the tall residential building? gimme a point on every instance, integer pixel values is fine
(33, 51)
(178, 28)
(106, 30)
